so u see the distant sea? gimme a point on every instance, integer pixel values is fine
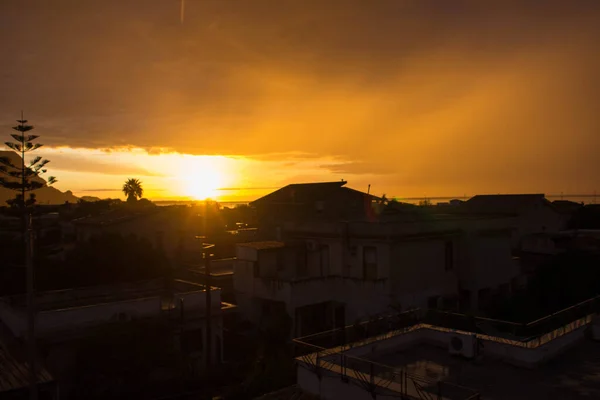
(229, 204)
(578, 198)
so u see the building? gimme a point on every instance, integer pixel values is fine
(538, 249)
(331, 201)
(221, 275)
(533, 212)
(421, 356)
(328, 274)
(173, 228)
(65, 317)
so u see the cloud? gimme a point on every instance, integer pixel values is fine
(427, 96)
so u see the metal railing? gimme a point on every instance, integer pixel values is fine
(529, 335)
(327, 350)
(378, 378)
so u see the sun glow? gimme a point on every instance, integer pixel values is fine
(202, 177)
(204, 185)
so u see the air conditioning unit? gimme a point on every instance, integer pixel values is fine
(463, 345)
(312, 245)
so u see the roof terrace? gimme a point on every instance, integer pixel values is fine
(414, 354)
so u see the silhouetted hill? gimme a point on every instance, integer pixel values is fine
(45, 195)
(90, 198)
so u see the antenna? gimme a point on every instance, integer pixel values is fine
(369, 189)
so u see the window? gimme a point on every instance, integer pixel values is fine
(432, 302)
(484, 297)
(320, 206)
(449, 254)
(301, 265)
(256, 269)
(514, 285)
(370, 262)
(192, 341)
(325, 260)
(353, 250)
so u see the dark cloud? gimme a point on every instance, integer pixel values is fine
(430, 93)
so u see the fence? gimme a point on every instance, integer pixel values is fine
(327, 350)
(377, 378)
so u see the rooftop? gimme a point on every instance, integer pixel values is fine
(575, 374)
(291, 392)
(114, 217)
(299, 193)
(502, 203)
(87, 296)
(408, 353)
(263, 245)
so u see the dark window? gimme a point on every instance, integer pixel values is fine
(256, 267)
(325, 260)
(353, 250)
(192, 341)
(301, 265)
(514, 285)
(484, 297)
(432, 302)
(280, 261)
(370, 262)
(320, 206)
(449, 253)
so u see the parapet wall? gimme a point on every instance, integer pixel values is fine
(522, 354)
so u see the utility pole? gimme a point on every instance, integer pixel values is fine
(207, 283)
(208, 310)
(30, 308)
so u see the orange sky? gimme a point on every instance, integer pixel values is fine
(414, 97)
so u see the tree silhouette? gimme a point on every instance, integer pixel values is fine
(26, 177)
(132, 188)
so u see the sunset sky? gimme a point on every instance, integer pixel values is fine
(416, 98)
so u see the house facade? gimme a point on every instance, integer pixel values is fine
(64, 318)
(327, 274)
(533, 213)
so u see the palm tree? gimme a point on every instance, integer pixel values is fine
(133, 189)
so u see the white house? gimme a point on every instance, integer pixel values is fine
(328, 274)
(64, 316)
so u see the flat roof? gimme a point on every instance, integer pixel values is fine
(574, 374)
(290, 392)
(270, 244)
(87, 296)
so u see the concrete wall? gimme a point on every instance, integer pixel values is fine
(488, 263)
(418, 271)
(519, 355)
(330, 387)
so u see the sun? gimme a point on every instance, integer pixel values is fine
(203, 185)
(201, 177)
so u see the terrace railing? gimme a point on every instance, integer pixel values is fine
(327, 350)
(378, 378)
